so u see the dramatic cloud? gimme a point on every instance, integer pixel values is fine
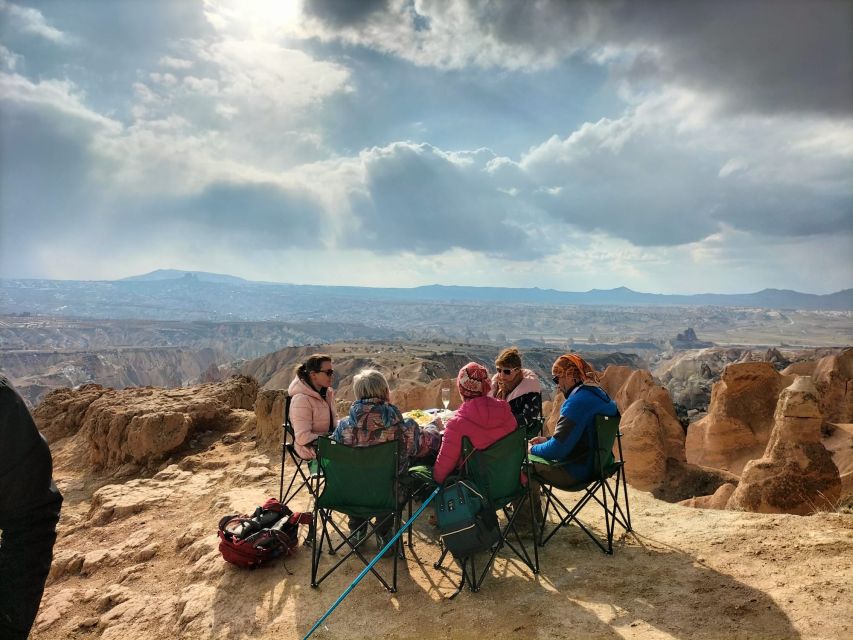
(421, 199)
(764, 55)
(665, 145)
(668, 173)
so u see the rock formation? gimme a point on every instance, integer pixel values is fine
(716, 500)
(689, 340)
(653, 446)
(650, 436)
(269, 414)
(796, 474)
(775, 357)
(141, 425)
(801, 368)
(739, 419)
(614, 377)
(62, 411)
(410, 395)
(832, 378)
(640, 385)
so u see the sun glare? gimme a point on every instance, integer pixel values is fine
(257, 17)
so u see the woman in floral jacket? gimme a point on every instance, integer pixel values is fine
(373, 420)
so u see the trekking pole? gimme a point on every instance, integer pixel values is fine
(391, 542)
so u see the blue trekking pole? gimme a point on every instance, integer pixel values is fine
(391, 542)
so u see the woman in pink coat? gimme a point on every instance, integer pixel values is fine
(483, 420)
(520, 387)
(312, 408)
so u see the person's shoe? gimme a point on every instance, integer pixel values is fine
(358, 535)
(382, 541)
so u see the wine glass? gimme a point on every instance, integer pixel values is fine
(445, 398)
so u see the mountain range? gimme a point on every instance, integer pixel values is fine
(620, 296)
(174, 294)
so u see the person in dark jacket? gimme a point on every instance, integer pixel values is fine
(29, 511)
(519, 387)
(574, 439)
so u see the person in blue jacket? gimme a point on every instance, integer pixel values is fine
(574, 439)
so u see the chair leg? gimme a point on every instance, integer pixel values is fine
(440, 561)
(533, 515)
(625, 493)
(608, 521)
(315, 548)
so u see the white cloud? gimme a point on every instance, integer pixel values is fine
(32, 21)
(176, 63)
(8, 59)
(59, 95)
(669, 171)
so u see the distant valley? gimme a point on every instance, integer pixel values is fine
(172, 328)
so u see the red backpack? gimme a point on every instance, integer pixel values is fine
(249, 541)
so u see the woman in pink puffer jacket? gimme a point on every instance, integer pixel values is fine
(483, 420)
(312, 408)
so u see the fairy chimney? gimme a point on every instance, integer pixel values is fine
(796, 474)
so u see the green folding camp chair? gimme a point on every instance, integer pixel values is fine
(606, 487)
(496, 471)
(360, 482)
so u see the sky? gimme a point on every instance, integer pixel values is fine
(671, 147)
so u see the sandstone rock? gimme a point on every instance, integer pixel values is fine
(192, 533)
(796, 474)
(803, 368)
(139, 426)
(269, 413)
(61, 412)
(832, 375)
(147, 552)
(640, 385)
(410, 395)
(614, 377)
(775, 357)
(554, 414)
(55, 608)
(839, 443)
(717, 500)
(684, 480)
(65, 562)
(113, 595)
(117, 501)
(739, 419)
(650, 435)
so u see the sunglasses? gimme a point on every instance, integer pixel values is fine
(328, 372)
(506, 372)
(556, 379)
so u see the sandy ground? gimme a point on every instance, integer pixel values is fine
(151, 570)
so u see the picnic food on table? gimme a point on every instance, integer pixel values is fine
(420, 416)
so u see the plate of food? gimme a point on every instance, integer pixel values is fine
(420, 416)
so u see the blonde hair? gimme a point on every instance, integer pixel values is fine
(370, 383)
